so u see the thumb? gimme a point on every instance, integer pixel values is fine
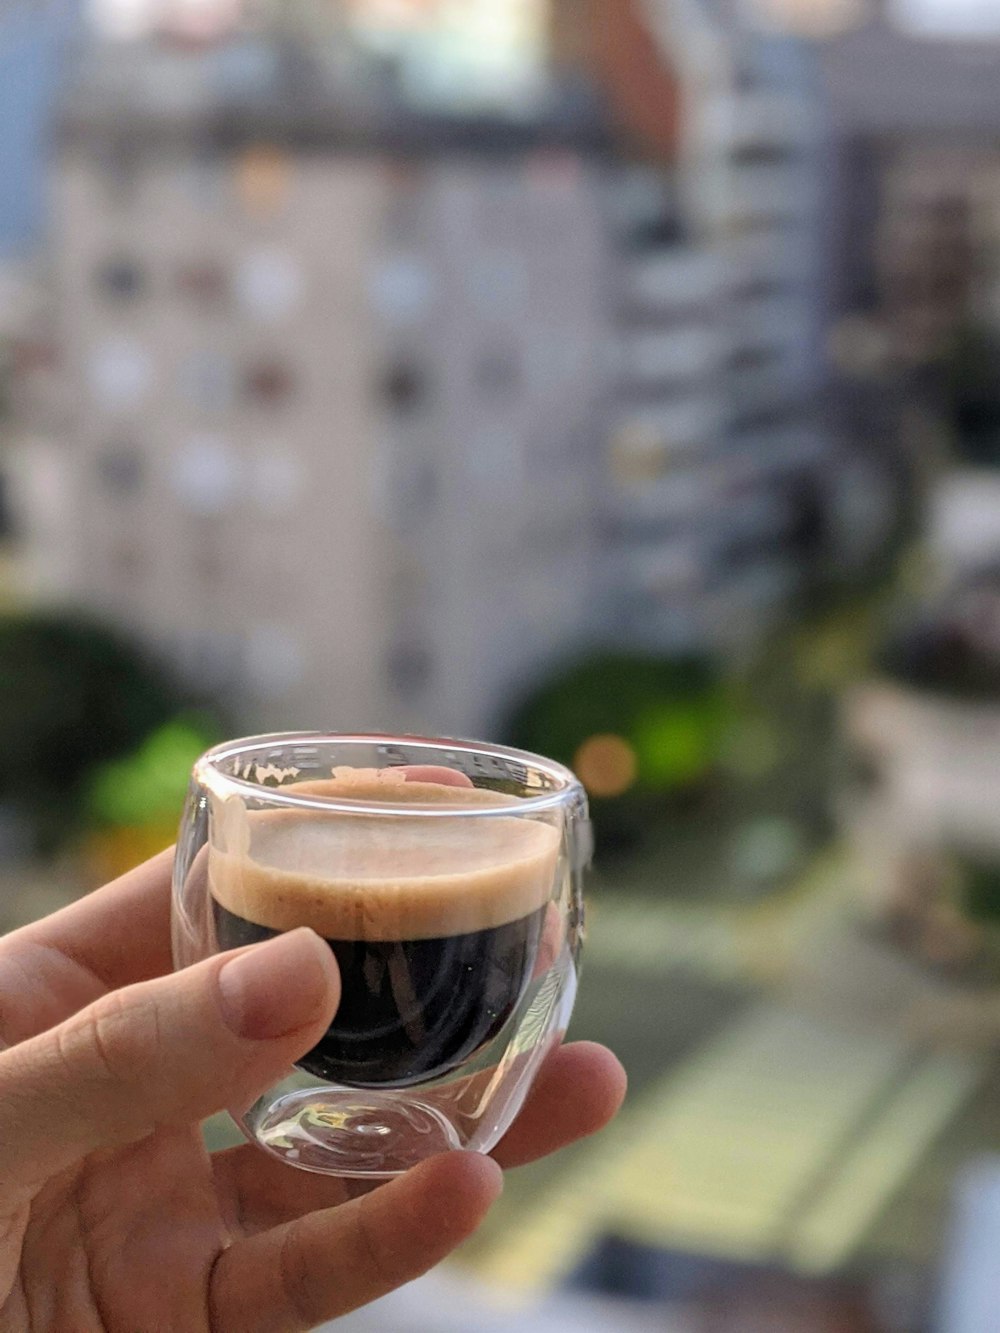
(169, 1051)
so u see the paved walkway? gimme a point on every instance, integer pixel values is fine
(756, 943)
(783, 1135)
(778, 1142)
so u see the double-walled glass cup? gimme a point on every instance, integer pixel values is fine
(446, 877)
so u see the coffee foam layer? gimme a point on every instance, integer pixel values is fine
(359, 877)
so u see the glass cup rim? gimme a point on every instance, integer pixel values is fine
(208, 774)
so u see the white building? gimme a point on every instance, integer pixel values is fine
(378, 413)
(336, 381)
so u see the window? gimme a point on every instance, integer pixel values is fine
(203, 281)
(121, 279)
(269, 383)
(405, 388)
(121, 470)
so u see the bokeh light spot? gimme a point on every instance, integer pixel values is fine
(607, 765)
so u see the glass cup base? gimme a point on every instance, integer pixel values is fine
(348, 1132)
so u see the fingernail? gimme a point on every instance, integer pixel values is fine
(275, 988)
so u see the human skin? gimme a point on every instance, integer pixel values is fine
(113, 1216)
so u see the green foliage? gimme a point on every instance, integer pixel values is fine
(671, 711)
(677, 742)
(147, 788)
(73, 696)
(981, 891)
(972, 394)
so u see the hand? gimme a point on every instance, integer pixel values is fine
(112, 1214)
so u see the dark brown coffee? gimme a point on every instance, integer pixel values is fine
(435, 922)
(413, 1009)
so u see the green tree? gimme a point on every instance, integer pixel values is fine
(672, 715)
(147, 787)
(74, 695)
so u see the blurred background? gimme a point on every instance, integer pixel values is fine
(617, 378)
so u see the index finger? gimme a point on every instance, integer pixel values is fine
(115, 936)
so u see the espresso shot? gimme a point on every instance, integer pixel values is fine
(435, 922)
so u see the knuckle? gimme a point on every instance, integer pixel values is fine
(298, 1280)
(112, 1038)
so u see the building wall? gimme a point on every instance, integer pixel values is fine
(336, 435)
(493, 476)
(223, 430)
(514, 401)
(937, 245)
(667, 419)
(732, 359)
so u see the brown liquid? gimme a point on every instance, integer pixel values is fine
(435, 923)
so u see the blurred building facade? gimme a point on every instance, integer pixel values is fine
(767, 136)
(378, 411)
(35, 495)
(716, 448)
(336, 377)
(912, 191)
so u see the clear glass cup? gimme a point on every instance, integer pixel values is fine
(446, 877)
